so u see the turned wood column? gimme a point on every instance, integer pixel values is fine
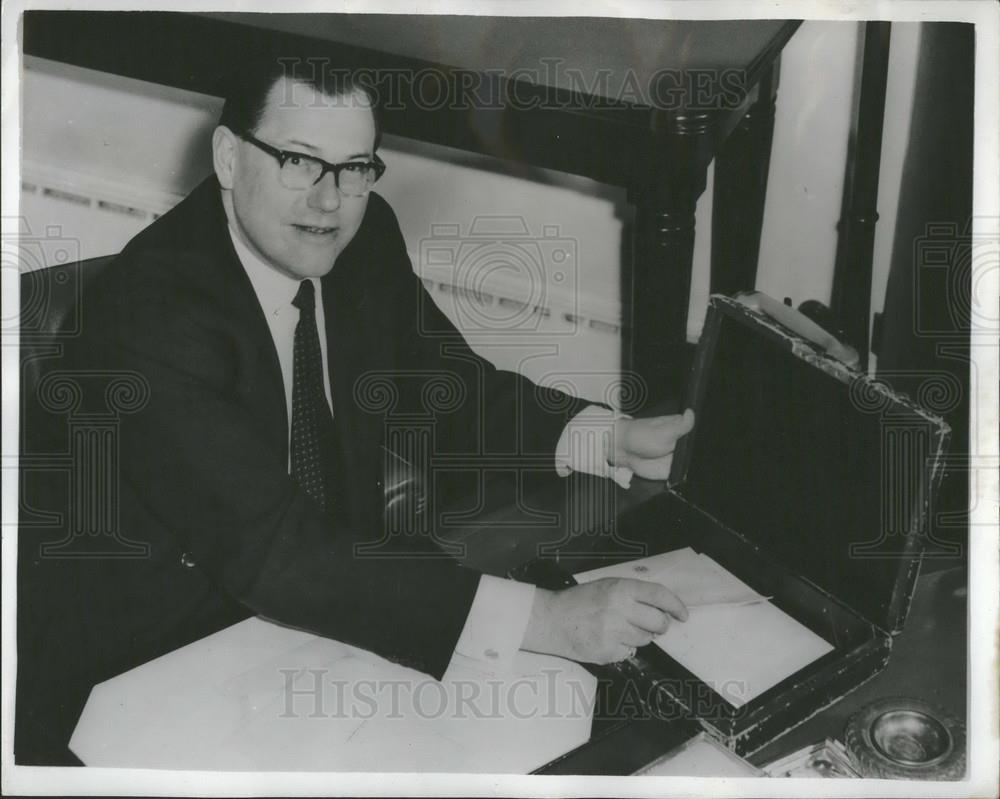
(852, 277)
(659, 285)
(739, 192)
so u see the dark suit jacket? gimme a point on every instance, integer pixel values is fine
(203, 466)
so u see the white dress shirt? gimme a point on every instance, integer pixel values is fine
(501, 608)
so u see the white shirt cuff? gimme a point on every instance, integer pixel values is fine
(586, 442)
(497, 621)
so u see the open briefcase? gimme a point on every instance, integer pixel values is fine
(808, 481)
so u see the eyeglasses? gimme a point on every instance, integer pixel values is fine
(300, 171)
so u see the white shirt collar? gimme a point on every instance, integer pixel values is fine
(275, 290)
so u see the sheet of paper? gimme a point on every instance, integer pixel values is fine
(641, 569)
(741, 651)
(700, 757)
(734, 640)
(696, 579)
(258, 696)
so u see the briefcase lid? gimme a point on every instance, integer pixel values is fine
(828, 472)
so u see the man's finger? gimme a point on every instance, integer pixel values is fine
(660, 597)
(674, 424)
(652, 438)
(671, 428)
(636, 636)
(652, 468)
(650, 620)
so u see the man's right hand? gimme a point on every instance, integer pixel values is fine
(600, 621)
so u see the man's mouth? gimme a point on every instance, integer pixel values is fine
(315, 230)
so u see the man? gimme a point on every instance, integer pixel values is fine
(256, 312)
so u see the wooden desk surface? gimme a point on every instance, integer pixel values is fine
(669, 97)
(550, 122)
(628, 52)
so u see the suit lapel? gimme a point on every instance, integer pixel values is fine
(352, 345)
(260, 386)
(358, 343)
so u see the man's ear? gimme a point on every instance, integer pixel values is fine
(224, 155)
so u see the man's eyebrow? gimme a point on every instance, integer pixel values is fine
(302, 144)
(314, 150)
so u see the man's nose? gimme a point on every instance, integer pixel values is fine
(325, 196)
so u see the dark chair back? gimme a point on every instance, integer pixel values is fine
(53, 310)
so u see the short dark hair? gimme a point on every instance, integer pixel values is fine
(247, 89)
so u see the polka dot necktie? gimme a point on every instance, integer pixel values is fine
(312, 422)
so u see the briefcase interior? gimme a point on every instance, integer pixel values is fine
(809, 481)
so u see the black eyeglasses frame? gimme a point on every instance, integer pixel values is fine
(281, 156)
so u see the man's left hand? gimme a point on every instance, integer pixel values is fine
(646, 446)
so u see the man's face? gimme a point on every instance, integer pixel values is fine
(300, 232)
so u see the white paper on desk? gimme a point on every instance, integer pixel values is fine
(696, 579)
(739, 651)
(641, 569)
(258, 696)
(380, 716)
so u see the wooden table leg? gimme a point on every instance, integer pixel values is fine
(664, 244)
(740, 188)
(659, 284)
(852, 274)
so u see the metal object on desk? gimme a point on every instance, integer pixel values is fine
(904, 738)
(404, 486)
(827, 759)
